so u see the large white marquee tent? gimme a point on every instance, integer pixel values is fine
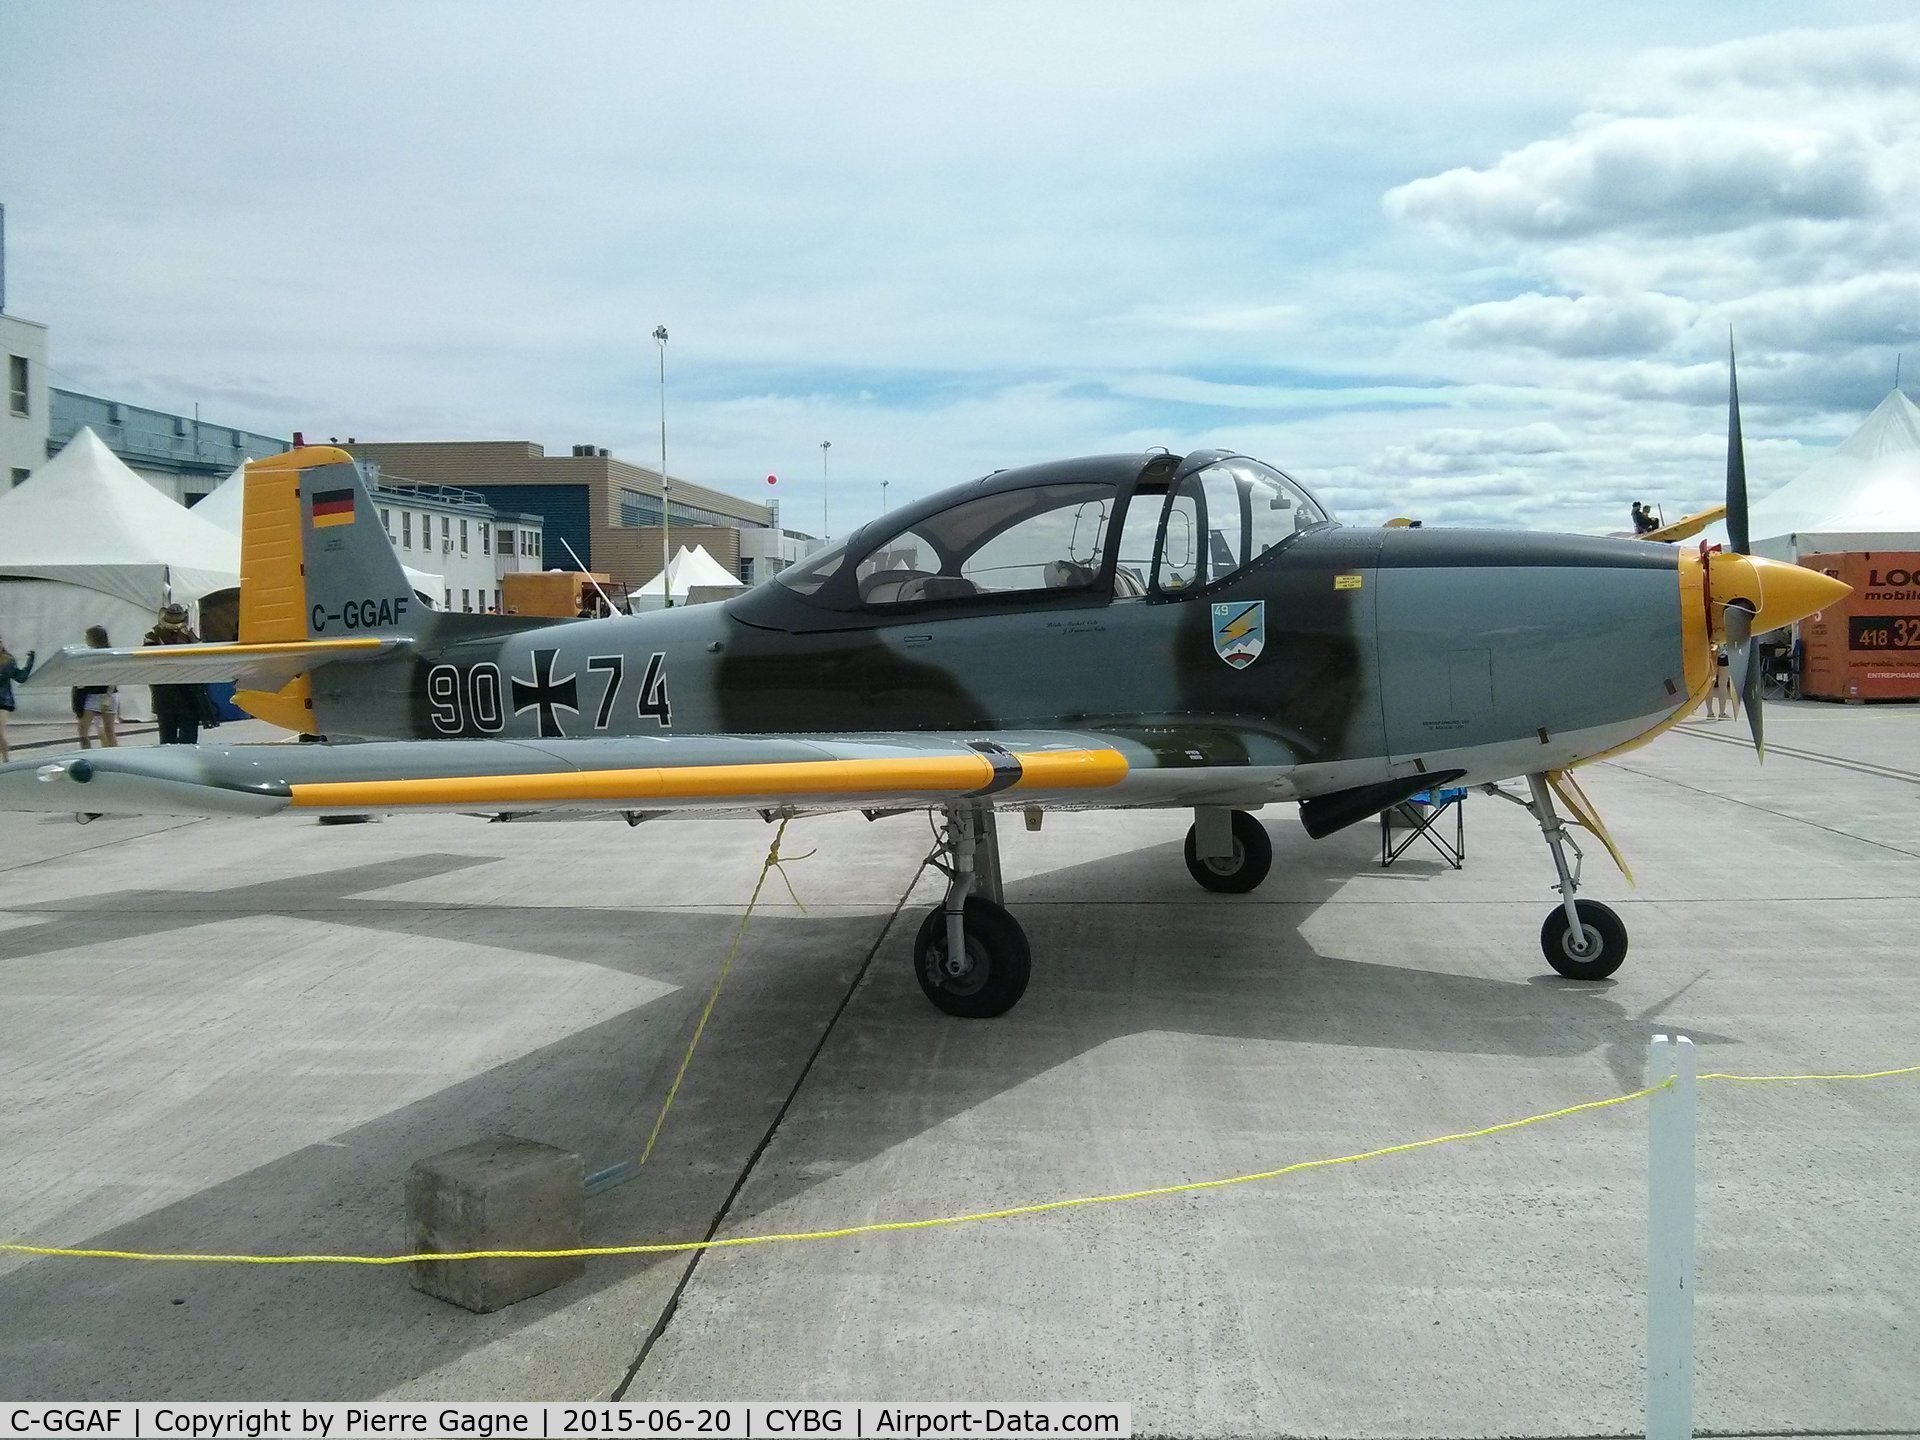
(1863, 495)
(85, 541)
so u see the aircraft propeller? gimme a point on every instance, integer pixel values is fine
(1743, 649)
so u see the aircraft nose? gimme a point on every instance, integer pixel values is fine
(1779, 593)
(1792, 592)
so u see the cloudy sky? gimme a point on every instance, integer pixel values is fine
(1474, 263)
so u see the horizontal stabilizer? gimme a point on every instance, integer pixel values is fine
(259, 667)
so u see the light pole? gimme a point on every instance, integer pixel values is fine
(883, 497)
(826, 530)
(666, 516)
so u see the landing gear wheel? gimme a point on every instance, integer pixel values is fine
(1605, 941)
(1241, 871)
(992, 977)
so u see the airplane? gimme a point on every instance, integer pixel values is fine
(1116, 631)
(1685, 528)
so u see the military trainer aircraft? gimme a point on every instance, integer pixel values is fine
(1118, 631)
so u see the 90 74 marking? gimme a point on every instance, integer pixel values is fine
(473, 699)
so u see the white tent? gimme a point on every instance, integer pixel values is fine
(86, 519)
(1862, 495)
(85, 541)
(226, 506)
(687, 569)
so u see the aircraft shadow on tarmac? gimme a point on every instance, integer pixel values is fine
(1104, 971)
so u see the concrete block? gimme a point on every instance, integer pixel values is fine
(500, 1193)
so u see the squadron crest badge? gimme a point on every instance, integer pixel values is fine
(1240, 632)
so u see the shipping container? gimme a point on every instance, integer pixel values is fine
(553, 592)
(1867, 646)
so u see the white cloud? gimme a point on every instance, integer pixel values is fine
(1577, 325)
(1666, 175)
(955, 239)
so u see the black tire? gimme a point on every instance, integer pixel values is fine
(1601, 925)
(1252, 858)
(1000, 962)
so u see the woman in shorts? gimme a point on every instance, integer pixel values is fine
(94, 704)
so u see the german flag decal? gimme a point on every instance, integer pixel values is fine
(332, 507)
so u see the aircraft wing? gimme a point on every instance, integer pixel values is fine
(1688, 525)
(1685, 528)
(679, 772)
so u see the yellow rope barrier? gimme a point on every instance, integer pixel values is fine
(773, 862)
(889, 1226)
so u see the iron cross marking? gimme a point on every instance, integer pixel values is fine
(547, 695)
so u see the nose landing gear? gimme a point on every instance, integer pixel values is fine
(1582, 939)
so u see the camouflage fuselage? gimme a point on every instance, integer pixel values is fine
(1386, 652)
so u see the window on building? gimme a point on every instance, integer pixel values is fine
(486, 538)
(406, 529)
(463, 534)
(466, 602)
(508, 542)
(17, 384)
(536, 544)
(449, 604)
(446, 532)
(746, 569)
(496, 599)
(19, 476)
(386, 521)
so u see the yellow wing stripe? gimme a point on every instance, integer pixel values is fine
(912, 775)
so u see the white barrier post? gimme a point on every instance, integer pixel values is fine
(1670, 1127)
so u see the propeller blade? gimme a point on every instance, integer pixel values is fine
(1743, 655)
(1737, 533)
(1750, 697)
(1739, 626)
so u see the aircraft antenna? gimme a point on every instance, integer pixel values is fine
(605, 599)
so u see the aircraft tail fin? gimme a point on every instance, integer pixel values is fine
(315, 565)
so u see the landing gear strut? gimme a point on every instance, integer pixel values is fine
(971, 956)
(1582, 939)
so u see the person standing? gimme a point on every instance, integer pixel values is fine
(10, 671)
(1722, 702)
(179, 709)
(96, 703)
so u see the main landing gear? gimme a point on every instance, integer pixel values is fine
(1582, 939)
(1228, 851)
(971, 956)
